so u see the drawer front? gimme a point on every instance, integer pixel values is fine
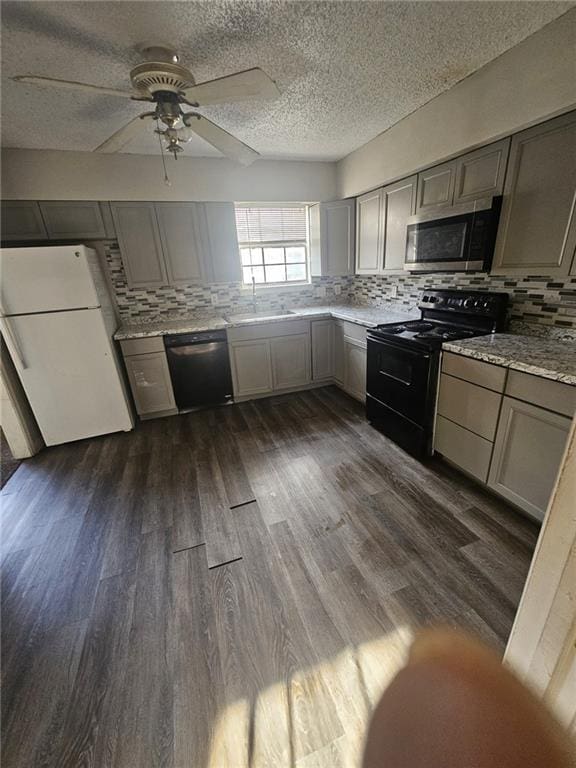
(142, 346)
(484, 374)
(463, 448)
(353, 331)
(553, 395)
(472, 407)
(268, 330)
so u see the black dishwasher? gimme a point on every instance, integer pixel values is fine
(199, 368)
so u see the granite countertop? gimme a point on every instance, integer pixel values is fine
(541, 357)
(366, 316)
(191, 324)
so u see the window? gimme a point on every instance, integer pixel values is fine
(273, 243)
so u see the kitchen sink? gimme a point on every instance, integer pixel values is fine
(248, 317)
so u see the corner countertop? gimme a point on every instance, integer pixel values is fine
(550, 359)
(366, 316)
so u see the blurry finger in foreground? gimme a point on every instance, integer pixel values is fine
(455, 705)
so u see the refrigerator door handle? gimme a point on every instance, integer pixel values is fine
(12, 344)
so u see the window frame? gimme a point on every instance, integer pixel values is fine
(242, 244)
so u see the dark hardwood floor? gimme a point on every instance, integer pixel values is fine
(234, 587)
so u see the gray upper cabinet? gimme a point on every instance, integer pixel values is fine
(436, 187)
(140, 244)
(332, 228)
(222, 255)
(369, 247)
(180, 227)
(67, 219)
(398, 204)
(22, 220)
(481, 173)
(537, 232)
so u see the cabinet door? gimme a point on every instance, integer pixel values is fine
(399, 202)
(338, 340)
(481, 173)
(140, 245)
(527, 454)
(223, 254)
(369, 228)
(290, 361)
(22, 220)
(68, 219)
(337, 227)
(322, 349)
(149, 378)
(537, 232)
(180, 233)
(436, 187)
(355, 368)
(251, 367)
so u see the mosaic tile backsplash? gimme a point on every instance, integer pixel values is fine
(539, 305)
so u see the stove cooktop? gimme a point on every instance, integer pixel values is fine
(424, 331)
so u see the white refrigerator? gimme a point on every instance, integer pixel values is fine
(57, 320)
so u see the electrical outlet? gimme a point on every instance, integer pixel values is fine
(394, 291)
(337, 290)
(214, 299)
(320, 291)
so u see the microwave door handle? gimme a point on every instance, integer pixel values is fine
(12, 344)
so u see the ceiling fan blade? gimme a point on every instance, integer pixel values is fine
(123, 136)
(73, 86)
(250, 84)
(220, 139)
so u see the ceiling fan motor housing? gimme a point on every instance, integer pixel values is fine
(154, 76)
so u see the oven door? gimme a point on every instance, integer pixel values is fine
(399, 378)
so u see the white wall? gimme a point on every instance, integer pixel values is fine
(529, 83)
(56, 175)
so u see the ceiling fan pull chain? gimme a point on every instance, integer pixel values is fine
(166, 179)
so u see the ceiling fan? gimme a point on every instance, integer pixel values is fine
(162, 80)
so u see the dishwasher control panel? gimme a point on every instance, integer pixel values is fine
(183, 339)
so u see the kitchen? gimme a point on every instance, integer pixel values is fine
(305, 402)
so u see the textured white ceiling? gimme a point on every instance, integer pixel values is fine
(346, 70)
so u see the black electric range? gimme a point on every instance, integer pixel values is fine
(403, 361)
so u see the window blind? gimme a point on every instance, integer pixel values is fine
(268, 224)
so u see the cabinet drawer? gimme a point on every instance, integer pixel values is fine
(472, 407)
(353, 331)
(483, 374)
(553, 395)
(463, 448)
(268, 330)
(142, 346)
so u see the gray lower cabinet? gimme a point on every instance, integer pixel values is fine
(338, 351)
(290, 361)
(22, 220)
(68, 219)
(332, 234)
(528, 451)
(149, 376)
(504, 427)
(537, 232)
(251, 365)
(322, 333)
(355, 368)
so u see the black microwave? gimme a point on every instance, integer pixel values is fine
(459, 240)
